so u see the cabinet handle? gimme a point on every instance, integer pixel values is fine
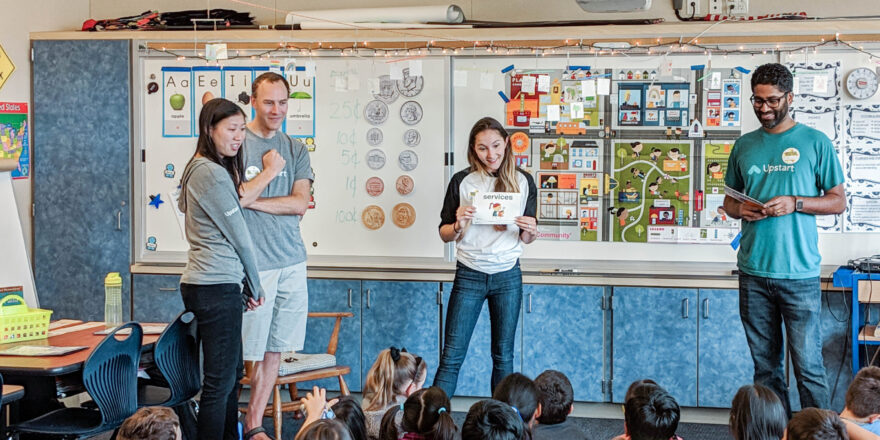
(530, 303)
(368, 298)
(685, 308)
(168, 289)
(706, 308)
(349, 298)
(119, 220)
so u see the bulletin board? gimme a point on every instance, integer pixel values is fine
(376, 131)
(621, 176)
(651, 192)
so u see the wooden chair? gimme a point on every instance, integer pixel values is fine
(276, 407)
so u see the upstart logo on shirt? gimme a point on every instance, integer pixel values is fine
(790, 156)
(231, 211)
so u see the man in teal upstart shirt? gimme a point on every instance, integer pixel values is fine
(792, 169)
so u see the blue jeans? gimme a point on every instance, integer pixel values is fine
(470, 290)
(218, 310)
(765, 304)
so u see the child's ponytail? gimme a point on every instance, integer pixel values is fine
(379, 386)
(388, 428)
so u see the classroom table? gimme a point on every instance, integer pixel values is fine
(43, 377)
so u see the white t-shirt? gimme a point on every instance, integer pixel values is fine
(481, 247)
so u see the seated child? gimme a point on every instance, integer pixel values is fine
(650, 413)
(151, 423)
(815, 424)
(424, 415)
(324, 429)
(518, 391)
(348, 411)
(757, 414)
(393, 377)
(863, 400)
(492, 420)
(556, 398)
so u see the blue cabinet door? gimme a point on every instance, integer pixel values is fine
(563, 331)
(655, 337)
(475, 376)
(81, 179)
(402, 314)
(725, 361)
(335, 296)
(156, 298)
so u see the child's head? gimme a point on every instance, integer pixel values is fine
(757, 414)
(520, 392)
(555, 395)
(151, 423)
(636, 385)
(863, 394)
(650, 413)
(816, 424)
(492, 420)
(324, 429)
(425, 412)
(349, 412)
(395, 373)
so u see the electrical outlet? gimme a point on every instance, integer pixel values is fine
(692, 7)
(716, 7)
(737, 8)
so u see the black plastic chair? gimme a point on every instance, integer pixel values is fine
(110, 378)
(176, 354)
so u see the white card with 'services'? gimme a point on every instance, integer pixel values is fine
(496, 208)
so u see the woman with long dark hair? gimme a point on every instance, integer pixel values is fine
(220, 256)
(488, 255)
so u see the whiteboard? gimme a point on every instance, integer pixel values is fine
(342, 90)
(479, 97)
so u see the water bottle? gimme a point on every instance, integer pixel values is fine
(113, 300)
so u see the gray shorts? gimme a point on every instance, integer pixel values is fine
(279, 325)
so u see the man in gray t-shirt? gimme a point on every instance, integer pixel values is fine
(274, 205)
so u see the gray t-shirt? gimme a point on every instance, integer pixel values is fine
(276, 238)
(220, 247)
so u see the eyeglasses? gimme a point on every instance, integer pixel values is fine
(772, 102)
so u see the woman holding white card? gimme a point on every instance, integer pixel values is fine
(488, 248)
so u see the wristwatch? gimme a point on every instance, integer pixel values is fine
(798, 204)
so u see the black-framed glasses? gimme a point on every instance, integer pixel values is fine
(771, 102)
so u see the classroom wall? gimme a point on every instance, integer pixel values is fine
(58, 15)
(17, 20)
(274, 11)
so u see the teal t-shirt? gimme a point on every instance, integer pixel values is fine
(798, 162)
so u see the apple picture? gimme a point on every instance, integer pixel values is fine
(177, 101)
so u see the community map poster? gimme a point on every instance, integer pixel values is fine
(14, 136)
(715, 158)
(651, 187)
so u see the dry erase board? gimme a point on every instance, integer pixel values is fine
(572, 217)
(376, 129)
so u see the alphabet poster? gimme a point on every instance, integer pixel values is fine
(301, 105)
(207, 84)
(237, 86)
(177, 107)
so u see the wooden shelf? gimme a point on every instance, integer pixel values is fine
(762, 32)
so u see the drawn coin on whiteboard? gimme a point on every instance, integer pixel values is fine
(375, 159)
(373, 217)
(410, 85)
(404, 185)
(410, 112)
(412, 137)
(408, 160)
(375, 186)
(376, 112)
(403, 215)
(374, 136)
(387, 91)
